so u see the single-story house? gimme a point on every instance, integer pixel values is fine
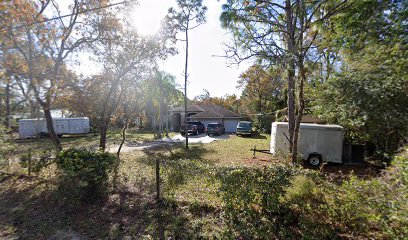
(205, 113)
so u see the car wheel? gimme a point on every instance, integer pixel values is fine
(315, 160)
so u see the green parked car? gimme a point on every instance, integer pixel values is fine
(244, 128)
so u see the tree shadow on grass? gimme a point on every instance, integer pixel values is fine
(31, 208)
(175, 153)
(178, 165)
(257, 135)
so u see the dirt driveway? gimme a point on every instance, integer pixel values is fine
(178, 139)
(200, 138)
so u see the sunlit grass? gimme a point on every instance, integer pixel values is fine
(188, 187)
(236, 150)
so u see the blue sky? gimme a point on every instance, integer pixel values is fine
(205, 70)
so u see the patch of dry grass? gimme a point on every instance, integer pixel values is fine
(30, 207)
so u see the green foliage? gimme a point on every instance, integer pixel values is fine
(368, 95)
(36, 161)
(375, 208)
(187, 15)
(306, 200)
(6, 148)
(263, 93)
(370, 102)
(302, 189)
(288, 202)
(258, 202)
(84, 174)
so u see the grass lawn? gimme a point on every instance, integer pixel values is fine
(192, 207)
(31, 207)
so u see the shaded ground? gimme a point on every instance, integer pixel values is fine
(342, 171)
(32, 208)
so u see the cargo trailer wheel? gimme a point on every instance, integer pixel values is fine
(315, 160)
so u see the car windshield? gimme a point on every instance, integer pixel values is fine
(244, 124)
(212, 125)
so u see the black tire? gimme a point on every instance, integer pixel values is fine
(314, 160)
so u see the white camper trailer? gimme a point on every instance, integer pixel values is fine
(33, 127)
(316, 142)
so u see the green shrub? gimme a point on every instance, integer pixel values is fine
(306, 200)
(84, 173)
(6, 148)
(375, 208)
(36, 161)
(285, 202)
(253, 202)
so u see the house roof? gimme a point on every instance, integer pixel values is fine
(195, 108)
(207, 111)
(308, 119)
(190, 108)
(207, 114)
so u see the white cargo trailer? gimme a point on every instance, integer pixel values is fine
(316, 142)
(34, 127)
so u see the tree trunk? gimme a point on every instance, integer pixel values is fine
(301, 104)
(7, 105)
(290, 39)
(50, 127)
(123, 137)
(185, 90)
(167, 123)
(102, 140)
(46, 104)
(302, 79)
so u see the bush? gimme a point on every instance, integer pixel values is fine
(254, 202)
(84, 173)
(6, 148)
(306, 201)
(285, 202)
(36, 161)
(375, 208)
